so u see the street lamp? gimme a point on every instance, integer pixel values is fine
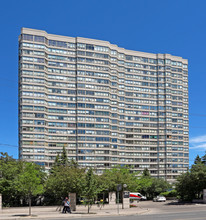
(124, 187)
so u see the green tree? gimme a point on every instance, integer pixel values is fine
(119, 175)
(143, 185)
(198, 173)
(190, 185)
(57, 161)
(29, 181)
(9, 168)
(197, 160)
(157, 187)
(204, 159)
(62, 180)
(91, 188)
(63, 157)
(171, 193)
(185, 187)
(73, 163)
(146, 173)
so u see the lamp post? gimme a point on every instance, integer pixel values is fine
(124, 187)
(119, 188)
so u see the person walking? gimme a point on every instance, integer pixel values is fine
(66, 206)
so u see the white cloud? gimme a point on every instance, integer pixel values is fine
(200, 146)
(198, 142)
(198, 139)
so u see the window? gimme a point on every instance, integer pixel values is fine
(89, 47)
(39, 39)
(28, 37)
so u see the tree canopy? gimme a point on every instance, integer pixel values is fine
(29, 181)
(19, 180)
(62, 180)
(190, 185)
(90, 188)
(24, 180)
(9, 169)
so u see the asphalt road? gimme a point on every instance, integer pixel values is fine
(161, 211)
(170, 216)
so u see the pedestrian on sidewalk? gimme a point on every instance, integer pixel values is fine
(66, 206)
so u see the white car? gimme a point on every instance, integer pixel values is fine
(137, 196)
(159, 199)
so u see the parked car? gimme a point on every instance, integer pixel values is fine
(137, 196)
(159, 199)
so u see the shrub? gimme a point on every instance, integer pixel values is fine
(172, 193)
(132, 205)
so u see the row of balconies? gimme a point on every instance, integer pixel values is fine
(83, 49)
(79, 68)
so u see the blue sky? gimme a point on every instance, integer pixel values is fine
(161, 26)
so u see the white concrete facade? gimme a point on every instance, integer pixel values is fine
(107, 105)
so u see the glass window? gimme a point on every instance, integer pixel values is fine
(28, 37)
(39, 39)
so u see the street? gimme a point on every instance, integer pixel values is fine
(145, 210)
(161, 211)
(193, 215)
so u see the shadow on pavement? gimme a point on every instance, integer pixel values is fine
(179, 203)
(80, 213)
(24, 215)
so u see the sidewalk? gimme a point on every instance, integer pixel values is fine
(51, 213)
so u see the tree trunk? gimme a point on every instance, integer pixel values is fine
(29, 206)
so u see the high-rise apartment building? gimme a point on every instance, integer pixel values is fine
(106, 105)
